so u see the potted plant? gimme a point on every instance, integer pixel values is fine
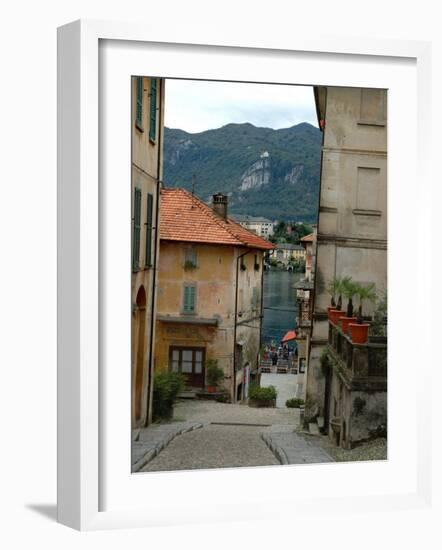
(335, 288)
(214, 375)
(294, 403)
(166, 387)
(262, 396)
(365, 293)
(349, 289)
(359, 330)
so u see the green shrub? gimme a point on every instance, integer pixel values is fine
(166, 386)
(268, 393)
(214, 374)
(294, 403)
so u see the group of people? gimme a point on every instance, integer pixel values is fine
(283, 351)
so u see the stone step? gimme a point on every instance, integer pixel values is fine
(313, 428)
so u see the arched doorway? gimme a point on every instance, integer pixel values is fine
(140, 326)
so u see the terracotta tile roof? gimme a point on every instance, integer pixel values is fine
(184, 217)
(308, 238)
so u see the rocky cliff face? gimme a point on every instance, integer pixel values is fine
(257, 175)
(182, 147)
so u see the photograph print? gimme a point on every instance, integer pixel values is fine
(258, 274)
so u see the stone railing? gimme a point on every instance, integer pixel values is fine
(361, 366)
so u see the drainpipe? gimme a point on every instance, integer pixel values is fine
(262, 303)
(155, 264)
(235, 321)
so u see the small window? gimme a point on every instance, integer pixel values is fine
(139, 115)
(136, 231)
(189, 299)
(373, 107)
(255, 298)
(149, 227)
(190, 258)
(153, 109)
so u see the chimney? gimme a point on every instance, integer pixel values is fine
(219, 205)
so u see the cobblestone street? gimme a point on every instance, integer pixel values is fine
(214, 446)
(207, 434)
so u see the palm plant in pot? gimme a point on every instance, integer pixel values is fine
(214, 375)
(334, 288)
(359, 330)
(349, 288)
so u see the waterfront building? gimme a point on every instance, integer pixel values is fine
(209, 292)
(347, 392)
(147, 165)
(286, 252)
(304, 298)
(259, 225)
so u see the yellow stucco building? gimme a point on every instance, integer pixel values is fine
(209, 292)
(147, 161)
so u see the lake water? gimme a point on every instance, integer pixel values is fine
(279, 302)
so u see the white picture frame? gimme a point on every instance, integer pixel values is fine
(84, 443)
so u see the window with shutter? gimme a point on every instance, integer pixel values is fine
(255, 298)
(153, 109)
(190, 258)
(189, 301)
(149, 227)
(136, 231)
(139, 118)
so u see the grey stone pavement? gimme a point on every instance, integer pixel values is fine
(285, 385)
(207, 434)
(149, 442)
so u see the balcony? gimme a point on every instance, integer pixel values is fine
(362, 367)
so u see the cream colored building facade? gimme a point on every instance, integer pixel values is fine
(352, 227)
(147, 162)
(261, 226)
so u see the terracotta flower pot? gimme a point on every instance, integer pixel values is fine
(345, 321)
(335, 315)
(329, 310)
(211, 389)
(359, 332)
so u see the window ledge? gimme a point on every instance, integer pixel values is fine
(138, 127)
(188, 318)
(372, 123)
(361, 212)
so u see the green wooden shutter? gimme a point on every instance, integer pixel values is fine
(139, 101)
(192, 292)
(255, 298)
(149, 225)
(136, 233)
(153, 109)
(189, 299)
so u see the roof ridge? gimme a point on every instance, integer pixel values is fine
(209, 211)
(239, 236)
(219, 221)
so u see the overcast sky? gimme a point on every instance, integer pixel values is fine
(195, 106)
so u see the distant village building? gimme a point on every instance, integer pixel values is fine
(304, 298)
(210, 286)
(147, 165)
(261, 226)
(347, 394)
(286, 252)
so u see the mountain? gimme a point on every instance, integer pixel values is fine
(265, 172)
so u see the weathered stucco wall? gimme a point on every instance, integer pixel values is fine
(147, 164)
(352, 227)
(363, 414)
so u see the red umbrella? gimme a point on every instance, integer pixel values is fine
(290, 335)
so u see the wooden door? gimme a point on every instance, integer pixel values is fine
(189, 362)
